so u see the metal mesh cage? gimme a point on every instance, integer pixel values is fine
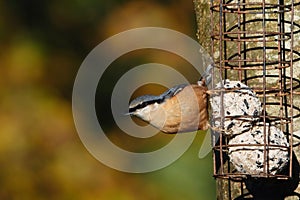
(255, 45)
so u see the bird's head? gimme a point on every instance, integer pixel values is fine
(142, 106)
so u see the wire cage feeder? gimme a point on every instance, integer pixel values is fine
(254, 44)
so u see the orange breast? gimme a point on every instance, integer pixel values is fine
(185, 112)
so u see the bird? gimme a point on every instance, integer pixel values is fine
(182, 108)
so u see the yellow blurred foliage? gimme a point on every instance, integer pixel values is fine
(41, 155)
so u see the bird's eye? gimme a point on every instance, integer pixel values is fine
(144, 104)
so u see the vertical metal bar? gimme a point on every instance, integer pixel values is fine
(281, 48)
(291, 89)
(283, 62)
(224, 47)
(239, 41)
(244, 43)
(264, 83)
(212, 31)
(222, 93)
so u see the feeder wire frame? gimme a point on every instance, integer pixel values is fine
(236, 46)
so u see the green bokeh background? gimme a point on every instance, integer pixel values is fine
(41, 156)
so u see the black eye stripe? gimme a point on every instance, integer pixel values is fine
(145, 103)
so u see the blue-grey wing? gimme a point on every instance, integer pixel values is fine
(145, 100)
(173, 91)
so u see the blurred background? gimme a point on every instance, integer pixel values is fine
(42, 46)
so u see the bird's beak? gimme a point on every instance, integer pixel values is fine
(129, 113)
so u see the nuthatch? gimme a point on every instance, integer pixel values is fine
(182, 108)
